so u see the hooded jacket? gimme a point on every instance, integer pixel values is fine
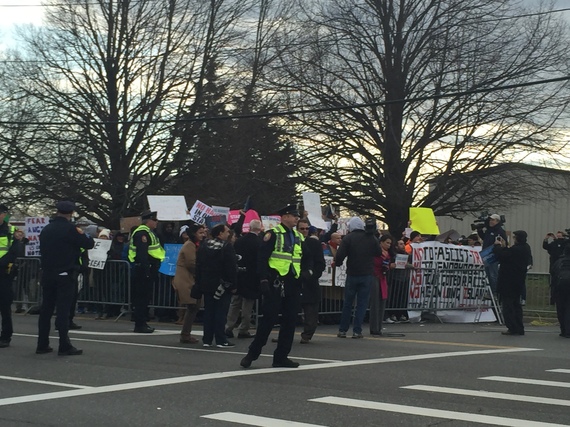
(360, 248)
(216, 262)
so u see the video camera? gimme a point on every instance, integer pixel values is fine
(482, 221)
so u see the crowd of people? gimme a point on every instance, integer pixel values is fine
(227, 271)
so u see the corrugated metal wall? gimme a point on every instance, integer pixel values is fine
(536, 218)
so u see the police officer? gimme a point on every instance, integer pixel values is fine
(145, 254)
(60, 245)
(6, 239)
(279, 268)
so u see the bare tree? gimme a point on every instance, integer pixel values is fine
(418, 76)
(103, 83)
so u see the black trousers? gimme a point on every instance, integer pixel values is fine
(141, 293)
(311, 320)
(562, 300)
(58, 294)
(513, 313)
(271, 304)
(6, 297)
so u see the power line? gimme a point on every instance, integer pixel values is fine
(303, 111)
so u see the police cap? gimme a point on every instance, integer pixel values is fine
(149, 215)
(65, 206)
(290, 209)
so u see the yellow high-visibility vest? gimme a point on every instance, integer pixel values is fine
(281, 260)
(154, 249)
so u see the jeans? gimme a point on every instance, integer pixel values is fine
(359, 287)
(493, 275)
(215, 311)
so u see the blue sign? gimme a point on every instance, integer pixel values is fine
(168, 266)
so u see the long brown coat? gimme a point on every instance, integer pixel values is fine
(184, 278)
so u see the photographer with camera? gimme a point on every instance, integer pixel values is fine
(554, 245)
(489, 231)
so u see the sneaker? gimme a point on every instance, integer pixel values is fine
(226, 344)
(206, 345)
(341, 334)
(357, 336)
(403, 319)
(389, 320)
(394, 319)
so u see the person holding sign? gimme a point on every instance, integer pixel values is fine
(60, 245)
(279, 269)
(145, 255)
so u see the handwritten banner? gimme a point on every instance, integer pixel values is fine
(200, 211)
(33, 227)
(98, 254)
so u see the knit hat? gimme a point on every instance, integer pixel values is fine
(183, 229)
(355, 223)
(105, 233)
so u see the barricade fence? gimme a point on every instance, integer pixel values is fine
(425, 290)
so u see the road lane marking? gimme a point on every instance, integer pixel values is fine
(29, 380)
(434, 413)
(252, 420)
(185, 347)
(490, 394)
(247, 372)
(527, 381)
(559, 371)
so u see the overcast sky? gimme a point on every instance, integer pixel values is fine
(16, 12)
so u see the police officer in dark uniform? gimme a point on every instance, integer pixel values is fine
(60, 246)
(7, 257)
(145, 254)
(279, 269)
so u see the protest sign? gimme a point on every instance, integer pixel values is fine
(98, 254)
(169, 208)
(326, 278)
(200, 211)
(33, 227)
(401, 261)
(168, 265)
(312, 204)
(423, 220)
(270, 221)
(249, 215)
(128, 223)
(449, 276)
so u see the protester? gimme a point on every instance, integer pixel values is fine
(561, 291)
(360, 248)
(513, 262)
(379, 289)
(242, 302)
(216, 270)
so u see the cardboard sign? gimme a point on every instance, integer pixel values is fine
(168, 265)
(200, 211)
(98, 254)
(423, 220)
(128, 223)
(312, 204)
(32, 228)
(169, 208)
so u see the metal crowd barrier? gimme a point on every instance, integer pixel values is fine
(26, 286)
(101, 290)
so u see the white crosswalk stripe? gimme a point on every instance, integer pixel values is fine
(527, 381)
(559, 371)
(493, 395)
(435, 413)
(253, 420)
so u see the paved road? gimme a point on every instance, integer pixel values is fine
(445, 375)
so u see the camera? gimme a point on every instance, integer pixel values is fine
(222, 287)
(498, 239)
(482, 221)
(370, 225)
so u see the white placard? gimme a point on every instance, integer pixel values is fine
(169, 208)
(401, 261)
(270, 221)
(34, 226)
(312, 204)
(98, 255)
(200, 211)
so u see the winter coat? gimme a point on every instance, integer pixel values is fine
(313, 259)
(513, 268)
(184, 278)
(247, 246)
(216, 263)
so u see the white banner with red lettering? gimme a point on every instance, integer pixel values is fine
(450, 281)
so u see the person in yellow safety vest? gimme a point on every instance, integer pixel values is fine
(145, 255)
(279, 270)
(6, 260)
